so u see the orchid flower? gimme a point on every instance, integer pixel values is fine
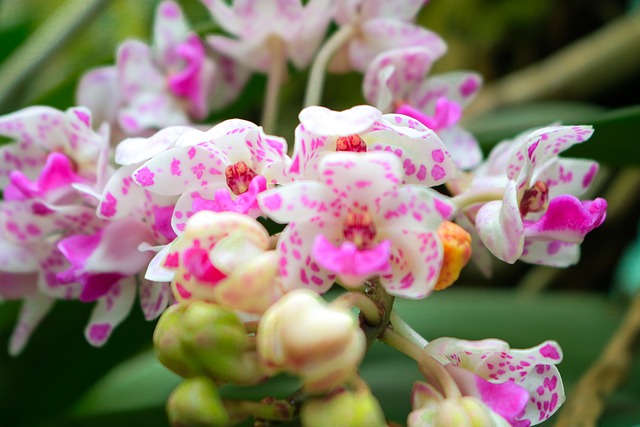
(539, 218)
(424, 158)
(223, 258)
(220, 170)
(396, 79)
(522, 386)
(173, 82)
(357, 222)
(379, 26)
(258, 24)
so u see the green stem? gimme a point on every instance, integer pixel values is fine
(275, 77)
(470, 198)
(425, 361)
(316, 77)
(368, 309)
(44, 43)
(404, 329)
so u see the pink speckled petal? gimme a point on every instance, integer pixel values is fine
(416, 259)
(155, 272)
(352, 265)
(152, 110)
(567, 219)
(297, 267)
(250, 53)
(500, 226)
(110, 311)
(360, 179)
(136, 150)
(464, 353)
(553, 253)
(547, 393)
(120, 196)
(323, 121)
(409, 66)
(567, 176)
(33, 310)
(137, 70)
(382, 34)
(181, 169)
(412, 208)
(224, 15)
(423, 155)
(462, 146)
(16, 258)
(169, 30)
(98, 91)
(300, 201)
(154, 298)
(194, 201)
(304, 44)
(307, 150)
(405, 10)
(460, 87)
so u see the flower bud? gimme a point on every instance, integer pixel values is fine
(167, 341)
(196, 402)
(216, 338)
(456, 245)
(303, 335)
(343, 408)
(463, 412)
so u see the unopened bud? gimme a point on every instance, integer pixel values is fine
(456, 245)
(463, 412)
(343, 408)
(195, 402)
(303, 335)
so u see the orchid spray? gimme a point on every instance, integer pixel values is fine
(232, 236)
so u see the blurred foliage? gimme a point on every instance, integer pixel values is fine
(61, 381)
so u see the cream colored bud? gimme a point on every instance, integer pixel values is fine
(302, 335)
(195, 402)
(463, 412)
(343, 408)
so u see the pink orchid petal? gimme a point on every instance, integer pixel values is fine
(413, 208)
(360, 180)
(251, 53)
(169, 30)
(194, 201)
(322, 121)
(110, 311)
(16, 258)
(567, 176)
(460, 87)
(17, 284)
(154, 298)
(500, 226)
(409, 66)
(297, 267)
(352, 265)
(245, 203)
(308, 148)
(137, 150)
(151, 110)
(383, 34)
(567, 219)
(299, 201)
(304, 44)
(33, 310)
(405, 10)
(191, 83)
(424, 158)
(228, 80)
(553, 253)
(98, 91)
(416, 259)
(155, 272)
(137, 70)
(462, 146)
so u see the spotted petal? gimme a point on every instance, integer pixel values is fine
(136, 150)
(169, 30)
(154, 298)
(299, 201)
(33, 310)
(553, 253)
(110, 311)
(460, 87)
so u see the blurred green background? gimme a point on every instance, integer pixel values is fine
(60, 380)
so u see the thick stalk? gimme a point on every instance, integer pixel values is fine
(316, 76)
(275, 77)
(404, 329)
(268, 409)
(470, 198)
(368, 309)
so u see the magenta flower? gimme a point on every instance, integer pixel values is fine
(424, 158)
(522, 386)
(222, 169)
(357, 222)
(173, 82)
(540, 218)
(396, 80)
(254, 23)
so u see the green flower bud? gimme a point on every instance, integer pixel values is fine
(196, 402)
(343, 408)
(167, 340)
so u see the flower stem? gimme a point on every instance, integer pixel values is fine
(316, 77)
(404, 329)
(275, 77)
(368, 309)
(470, 198)
(425, 361)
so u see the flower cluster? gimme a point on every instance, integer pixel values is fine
(371, 200)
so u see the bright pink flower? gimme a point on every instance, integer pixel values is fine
(522, 386)
(255, 22)
(358, 221)
(424, 158)
(540, 219)
(169, 83)
(222, 169)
